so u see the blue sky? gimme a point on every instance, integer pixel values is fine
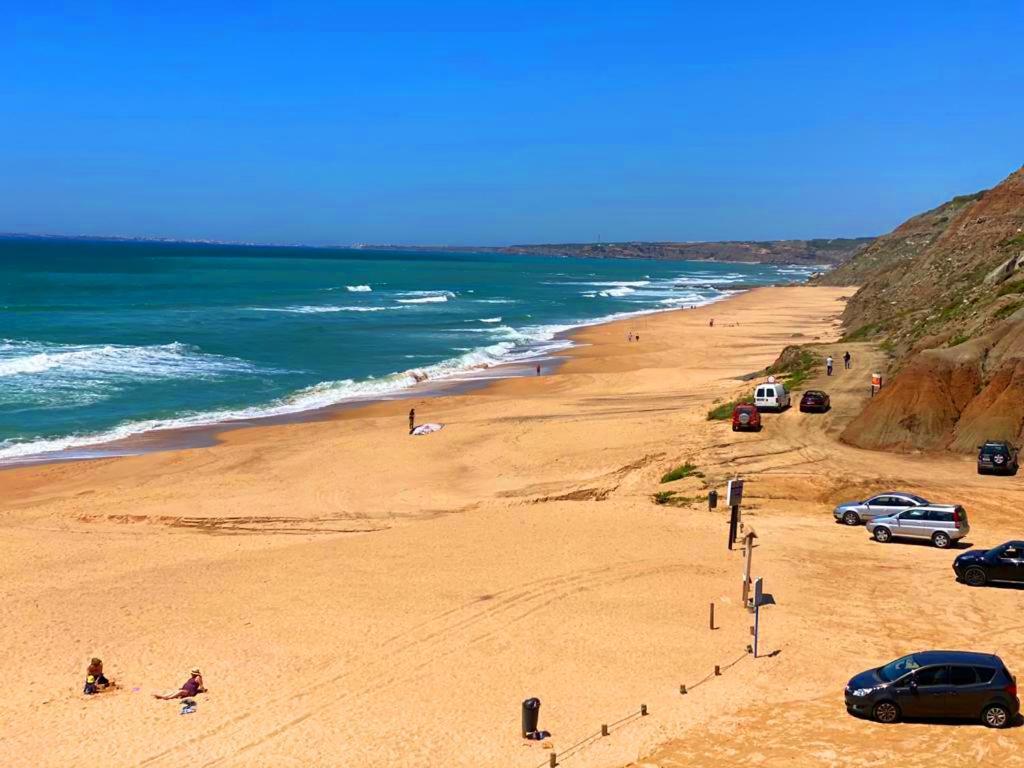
(491, 123)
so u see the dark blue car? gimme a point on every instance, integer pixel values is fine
(1003, 563)
(937, 684)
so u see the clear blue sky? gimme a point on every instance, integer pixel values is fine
(498, 122)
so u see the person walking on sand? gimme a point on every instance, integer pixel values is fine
(828, 364)
(711, 323)
(412, 420)
(538, 370)
(192, 686)
(846, 359)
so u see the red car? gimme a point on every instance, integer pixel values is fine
(746, 416)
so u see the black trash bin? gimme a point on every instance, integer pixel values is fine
(531, 714)
(712, 499)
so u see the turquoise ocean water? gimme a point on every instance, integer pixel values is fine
(103, 340)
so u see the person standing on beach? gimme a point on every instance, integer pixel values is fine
(711, 323)
(538, 370)
(828, 364)
(412, 420)
(846, 359)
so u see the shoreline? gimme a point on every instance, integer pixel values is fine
(205, 435)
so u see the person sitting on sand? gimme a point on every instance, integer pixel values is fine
(191, 687)
(95, 671)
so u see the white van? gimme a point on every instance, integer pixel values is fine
(772, 395)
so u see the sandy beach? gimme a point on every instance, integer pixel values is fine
(356, 596)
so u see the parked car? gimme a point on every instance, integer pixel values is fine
(815, 401)
(771, 395)
(998, 458)
(1002, 563)
(746, 416)
(882, 505)
(937, 684)
(941, 524)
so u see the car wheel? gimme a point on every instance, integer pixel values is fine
(941, 540)
(851, 518)
(975, 576)
(995, 716)
(735, 428)
(882, 534)
(888, 712)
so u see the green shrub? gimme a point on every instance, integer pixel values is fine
(723, 411)
(680, 472)
(1008, 309)
(864, 332)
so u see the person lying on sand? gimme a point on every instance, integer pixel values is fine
(191, 687)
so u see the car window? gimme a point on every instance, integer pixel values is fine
(913, 514)
(940, 517)
(985, 674)
(895, 669)
(932, 676)
(880, 501)
(1012, 553)
(919, 499)
(963, 676)
(899, 501)
(759, 393)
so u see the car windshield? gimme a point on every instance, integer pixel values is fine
(896, 669)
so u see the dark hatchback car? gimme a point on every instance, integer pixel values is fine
(937, 684)
(1003, 563)
(815, 401)
(996, 457)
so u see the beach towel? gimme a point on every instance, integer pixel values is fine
(426, 429)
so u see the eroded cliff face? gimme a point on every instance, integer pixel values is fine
(945, 294)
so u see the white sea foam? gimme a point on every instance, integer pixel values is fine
(424, 300)
(490, 319)
(358, 288)
(617, 292)
(319, 309)
(163, 361)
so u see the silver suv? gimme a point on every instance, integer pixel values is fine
(888, 503)
(941, 523)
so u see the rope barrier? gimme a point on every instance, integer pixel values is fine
(555, 758)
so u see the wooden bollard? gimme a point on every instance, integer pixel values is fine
(643, 710)
(682, 689)
(604, 730)
(554, 760)
(711, 617)
(718, 670)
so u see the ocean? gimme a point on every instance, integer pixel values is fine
(103, 340)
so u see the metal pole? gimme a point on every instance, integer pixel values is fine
(757, 626)
(711, 617)
(749, 554)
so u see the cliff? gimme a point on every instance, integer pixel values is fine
(944, 293)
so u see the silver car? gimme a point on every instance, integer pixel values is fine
(942, 524)
(888, 503)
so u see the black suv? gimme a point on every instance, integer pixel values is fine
(997, 457)
(1002, 563)
(937, 684)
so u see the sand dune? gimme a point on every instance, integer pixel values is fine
(355, 596)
